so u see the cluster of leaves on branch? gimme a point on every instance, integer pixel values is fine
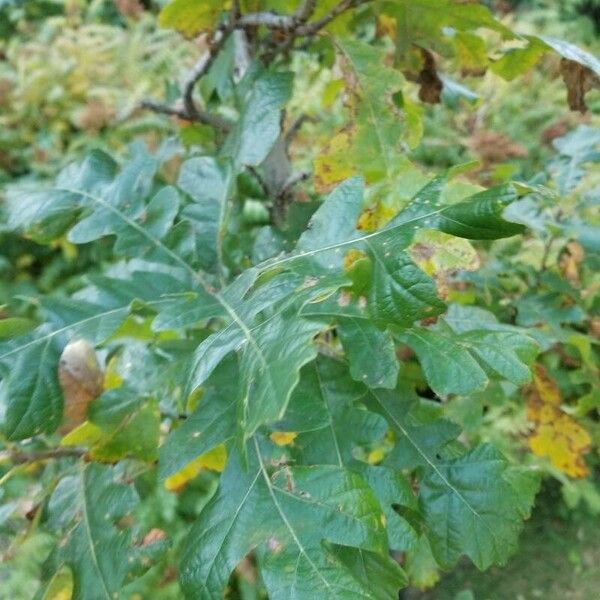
(302, 342)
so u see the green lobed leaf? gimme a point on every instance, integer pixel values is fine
(370, 351)
(259, 125)
(214, 421)
(85, 508)
(472, 504)
(208, 181)
(286, 514)
(470, 508)
(30, 396)
(449, 367)
(338, 425)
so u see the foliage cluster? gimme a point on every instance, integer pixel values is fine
(246, 379)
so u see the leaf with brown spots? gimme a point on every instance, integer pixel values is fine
(557, 435)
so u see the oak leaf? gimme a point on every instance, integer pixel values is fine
(557, 435)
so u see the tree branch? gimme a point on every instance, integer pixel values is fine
(198, 115)
(267, 19)
(305, 10)
(236, 11)
(19, 457)
(334, 13)
(291, 181)
(203, 65)
(295, 127)
(296, 25)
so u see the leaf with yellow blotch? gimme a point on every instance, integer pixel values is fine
(60, 586)
(191, 17)
(557, 435)
(381, 121)
(283, 438)
(136, 435)
(85, 434)
(112, 377)
(81, 380)
(440, 254)
(375, 217)
(332, 166)
(214, 460)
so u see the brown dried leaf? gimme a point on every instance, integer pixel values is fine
(579, 80)
(81, 380)
(492, 147)
(431, 85)
(569, 262)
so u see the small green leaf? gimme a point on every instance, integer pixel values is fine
(449, 368)
(259, 124)
(208, 181)
(85, 509)
(469, 507)
(211, 424)
(370, 351)
(30, 395)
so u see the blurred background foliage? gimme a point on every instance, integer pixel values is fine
(72, 75)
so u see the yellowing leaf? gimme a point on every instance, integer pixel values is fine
(214, 460)
(375, 217)
(191, 17)
(112, 378)
(61, 586)
(440, 254)
(86, 434)
(437, 252)
(564, 442)
(331, 92)
(546, 392)
(136, 436)
(557, 435)
(332, 166)
(283, 438)
(376, 456)
(381, 123)
(386, 26)
(471, 53)
(352, 257)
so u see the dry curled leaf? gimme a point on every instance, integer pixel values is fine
(492, 147)
(579, 80)
(94, 116)
(431, 84)
(556, 435)
(81, 380)
(569, 262)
